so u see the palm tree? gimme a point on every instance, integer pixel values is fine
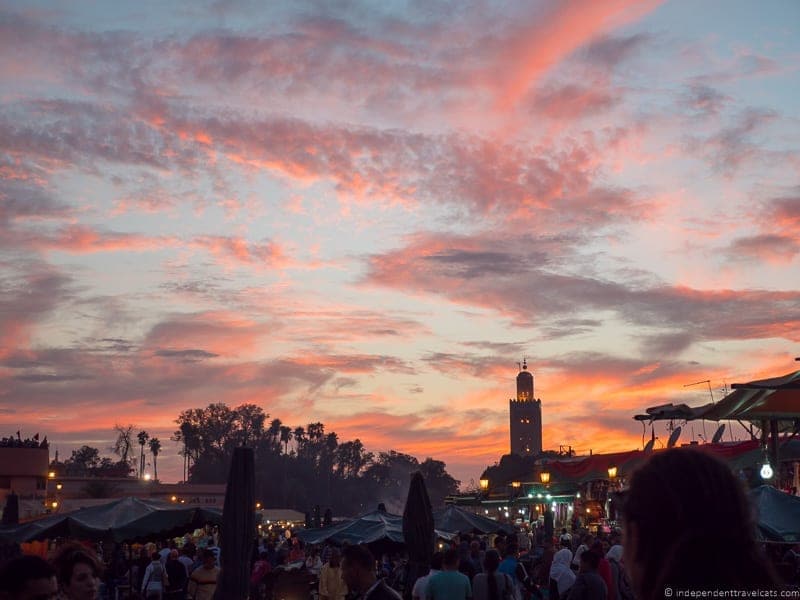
(286, 435)
(299, 438)
(155, 448)
(274, 432)
(142, 436)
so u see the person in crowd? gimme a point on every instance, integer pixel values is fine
(418, 591)
(588, 584)
(449, 583)
(177, 577)
(358, 572)
(313, 562)
(465, 565)
(261, 568)
(186, 558)
(561, 577)
(586, 542)
(296, 553)
(565, 537)
(619, 576)
(604, 568)
(155, 580)
(511, 566)
(78, 572)
(212, 546)
(499, 543)
(523, 541)
(28, 578)
(203, 580)
(489, 584)
(475, 557)
(687, 523)
(543, 572)
(331, 584)
(140, 566)
(166, 547)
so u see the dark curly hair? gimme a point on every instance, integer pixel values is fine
(694, 526)
(69, 555)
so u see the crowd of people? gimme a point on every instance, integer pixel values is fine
(686, 523)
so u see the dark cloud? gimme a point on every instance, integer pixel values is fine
(540, 297)
(574, 101)
(499, 348)
(29, 292)
(703, 100)
(668, 344)
(764, 247)
(25, 200)
(735, 145)
(610, 51)
(117, 345)
(455, 365)
(46, 378)
(468, 264)
(562, 328)
(190, 354)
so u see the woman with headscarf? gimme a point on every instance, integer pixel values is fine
(618, 576)
(561, 575)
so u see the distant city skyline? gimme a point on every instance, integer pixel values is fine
(366, 214)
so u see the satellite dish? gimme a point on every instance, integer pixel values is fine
(718, 434)
(673, 438)
(648, 447)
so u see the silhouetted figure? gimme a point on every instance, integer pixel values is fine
(27, 577)
(588, 584)
(687, 523)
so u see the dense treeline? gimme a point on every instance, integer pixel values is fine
(299, 467)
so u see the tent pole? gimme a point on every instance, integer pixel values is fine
(773, 450)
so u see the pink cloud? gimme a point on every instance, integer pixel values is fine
(534, 46)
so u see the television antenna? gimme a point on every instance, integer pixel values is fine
(710, 393)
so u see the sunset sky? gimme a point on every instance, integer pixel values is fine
(366, 213)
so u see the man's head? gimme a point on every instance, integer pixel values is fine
(450, 560)
(589, 561)
(28, 578)
(511, 550)
(358, 568)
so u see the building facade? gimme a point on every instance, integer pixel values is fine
(525, 416)
(23, 470)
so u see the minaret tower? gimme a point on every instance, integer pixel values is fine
(525, 415)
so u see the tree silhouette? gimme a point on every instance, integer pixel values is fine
(122, 447)
(318, 470)
(155, 448)
(299, 438)
(142, 436)
(286, 436)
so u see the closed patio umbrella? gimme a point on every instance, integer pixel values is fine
(418, 531)
(238, 528)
